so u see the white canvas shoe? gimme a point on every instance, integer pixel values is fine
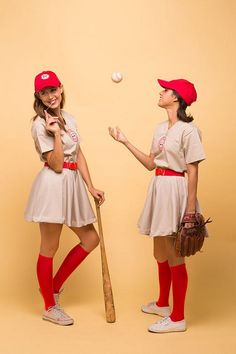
(152, 308)
(167, 325)
(56, 298)
(57, 315)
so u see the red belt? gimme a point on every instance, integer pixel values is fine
(69, 165)
(168, 172)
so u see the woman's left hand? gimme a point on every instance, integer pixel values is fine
(98, 195)
(188, 219)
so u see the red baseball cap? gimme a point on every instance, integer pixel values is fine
(183, 87)
(46, 79)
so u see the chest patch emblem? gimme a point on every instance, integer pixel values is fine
(161, 142)
(73, 135)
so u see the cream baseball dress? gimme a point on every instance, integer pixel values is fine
(166, 199)
(59, 197)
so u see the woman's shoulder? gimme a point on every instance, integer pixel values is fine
(70, 119)
(164, 123)
(188, 128)
(162, 126)
(68, 116)
(38, 124)
(38, 121)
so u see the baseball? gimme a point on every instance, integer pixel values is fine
(116, 76)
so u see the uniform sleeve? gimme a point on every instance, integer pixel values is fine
(42, 140)
(192, 146)
(154, 144)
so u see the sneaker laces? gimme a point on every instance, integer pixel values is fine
(59, 312)
(56, 297)
(163, 320)
(59, 308)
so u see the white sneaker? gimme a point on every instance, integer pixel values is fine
(57, 315)
(57, 304)
(152, 308)
(167, 325)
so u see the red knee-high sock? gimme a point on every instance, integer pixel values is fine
(179, 288)
(70, 263)
(45, 279)
(164, 283)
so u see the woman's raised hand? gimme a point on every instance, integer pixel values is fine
(117, 134)
(52, 123)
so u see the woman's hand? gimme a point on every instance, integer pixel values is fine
(188, 219)
(117, 134)
(99, 195)
(52, 123)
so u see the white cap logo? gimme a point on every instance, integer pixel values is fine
(44, 76)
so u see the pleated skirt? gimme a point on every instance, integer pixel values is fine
(59, 198)
(164, 207)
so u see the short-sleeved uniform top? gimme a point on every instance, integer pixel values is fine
(166, 200)
(58, 197)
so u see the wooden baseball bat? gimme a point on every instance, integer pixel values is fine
(107, 288)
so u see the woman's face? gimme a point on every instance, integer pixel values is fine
(167, 98)
(51, 97)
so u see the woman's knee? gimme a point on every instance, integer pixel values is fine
(50, 236)
(88, 237)
(92, 241)
(159, 249)
(96, 241)
(173, 259)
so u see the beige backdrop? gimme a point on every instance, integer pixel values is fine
(84, 41)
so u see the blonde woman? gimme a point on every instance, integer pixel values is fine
(58, 196)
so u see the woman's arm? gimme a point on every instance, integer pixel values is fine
(192, 171)
(83, 169)
(146, 160)
(55, 158)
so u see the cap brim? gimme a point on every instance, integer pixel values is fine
(163, 83)
(51, 84)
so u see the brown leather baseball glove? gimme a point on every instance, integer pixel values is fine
(191, 234)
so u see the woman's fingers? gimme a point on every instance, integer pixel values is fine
(117, 134)
(101, 197)
(188, 225)
(98, 195)
(46, 115)
(50, 120)
(120, 135)
(112, 132)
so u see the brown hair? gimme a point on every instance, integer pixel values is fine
(181, 114)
